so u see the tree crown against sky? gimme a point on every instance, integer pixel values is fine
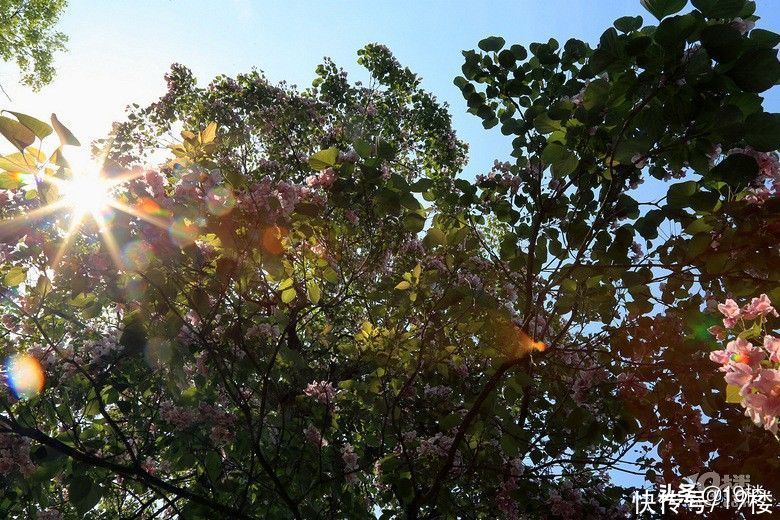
(306, 311)
(28, 37)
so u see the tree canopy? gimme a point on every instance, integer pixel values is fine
(308, 310)
(28, 37)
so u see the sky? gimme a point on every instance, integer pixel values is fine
(119, 50)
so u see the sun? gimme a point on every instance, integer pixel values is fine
(87, 193)
(83, 193)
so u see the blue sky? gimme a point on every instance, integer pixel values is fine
(119, 51)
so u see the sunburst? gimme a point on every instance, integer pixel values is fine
(84, 194)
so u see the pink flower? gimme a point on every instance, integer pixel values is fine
(740, 375)
(772, 346)
(719, 356)
(741, 350)
(323, 391)
(350, 459)
(760, 306)
(763, 406)
(324, 179)
(314, 436)
(730, 310)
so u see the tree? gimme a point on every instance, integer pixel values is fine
(27, 37)
(308, 312)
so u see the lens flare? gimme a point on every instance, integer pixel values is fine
(149, 207)
(137, 255)
(220, 201)
(25, 376)
(184, 231)
(272, 239)
(87, 193)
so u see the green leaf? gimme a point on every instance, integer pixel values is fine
(65, 135)
(435, 236)
(519, 52)
(492, 44)
(545, 125)
(36, 126)
(414, 222)
(732, 394)
(79, 488)
(719, 8)
(19, 135)
(209, 133)
(763, 131)
(403, 285)
(596, 94)
(765, 38)
(9, 181)
(736, 170)
(663, 8)
(679, 193)
(16, 276)
(756, 71)
(314, 291)
(562, 160)
(627, 24)
(324, 159)
(213, 466)
(722, 42)
(569, 285)
(288, 295)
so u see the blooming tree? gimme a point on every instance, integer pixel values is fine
(307, 311)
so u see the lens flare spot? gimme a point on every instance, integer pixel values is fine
(134, 288)
(184, 231)
(25, 376)
(273, 238)
(220, 201)
(149, 207)
(137, 255)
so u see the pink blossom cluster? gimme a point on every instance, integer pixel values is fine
(156, 184)
(179, 417)
(263, 330)
(759, 384)
(183, 418)
(501, 173)
(49, 514)
(437, 447)
(222, 423)
(322, 391)
(437, 392)
(504, 500)
(350, 460)
(15, 455)
(323, 179)
(586, 379)
(44, 355)
(314, 436)
(571, 503)
(755, 369)
(274, 202)
(761, 306)
(102, 349)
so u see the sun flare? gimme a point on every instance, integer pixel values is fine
(87, 193)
